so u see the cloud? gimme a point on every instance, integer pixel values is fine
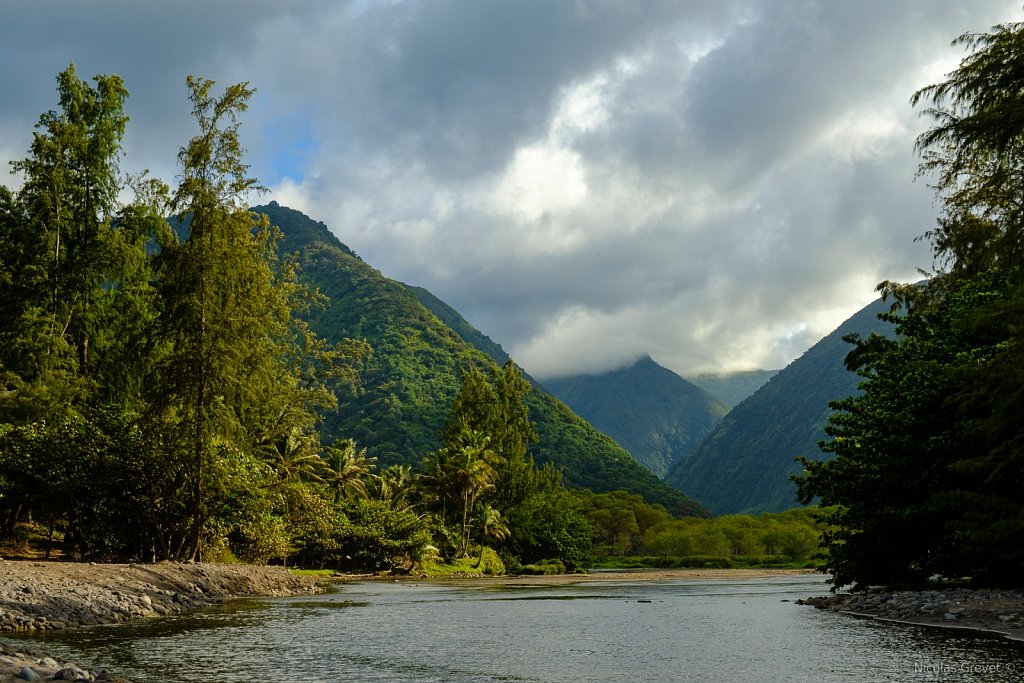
(717, 183)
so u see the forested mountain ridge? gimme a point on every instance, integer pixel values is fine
(731, 388)
(409, 380)
(653, 413)
(744, 465)
(453, 319)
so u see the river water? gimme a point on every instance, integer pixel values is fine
(651, 631)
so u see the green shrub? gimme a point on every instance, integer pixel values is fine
(543, 568)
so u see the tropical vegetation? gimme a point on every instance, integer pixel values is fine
(166, 391)
(929, 459)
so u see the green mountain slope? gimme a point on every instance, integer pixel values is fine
(731, 388)
(649, 410)
(413, 374)
(745, 464)
(453, 319)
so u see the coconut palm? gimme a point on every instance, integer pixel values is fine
(438, 481)
(394, 485)
(347, 469)
(492, 525)
(472, 474)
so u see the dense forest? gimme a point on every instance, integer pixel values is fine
(179, 388)
(420, 346)
(929, 458)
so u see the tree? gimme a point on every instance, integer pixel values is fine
(347, 469)
(929, 459)
(234, 375)
(491, 525)
(59, 245)
(472, 476)
(975, 151)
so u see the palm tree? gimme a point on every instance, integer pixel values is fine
(491, 525)
(347, 469)
(295, 458)
(472, 474)
(394, 485)
(438, 481)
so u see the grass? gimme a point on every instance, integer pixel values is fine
(705, 562)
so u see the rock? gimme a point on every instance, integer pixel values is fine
(70, 673)
(27, 674)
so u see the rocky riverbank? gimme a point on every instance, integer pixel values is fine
(39, 596)
(994, 610)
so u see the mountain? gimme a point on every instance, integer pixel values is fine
(454, 320)
(409, 381)
(745, 463)
(732, 387)
(649, 410)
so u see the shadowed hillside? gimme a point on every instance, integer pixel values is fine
(745, 464)
(649, 410)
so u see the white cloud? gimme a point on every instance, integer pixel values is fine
(711, 182)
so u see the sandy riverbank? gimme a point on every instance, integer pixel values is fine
(38, 596)
(614, 575)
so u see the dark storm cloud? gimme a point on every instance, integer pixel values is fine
(715, 183)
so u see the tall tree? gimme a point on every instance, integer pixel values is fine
(930, 458)
(975, 152)
(234, 374)
(60, 230)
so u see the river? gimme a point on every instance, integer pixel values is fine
(674, 630)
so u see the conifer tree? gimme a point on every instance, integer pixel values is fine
(59, 230)
(232, 379)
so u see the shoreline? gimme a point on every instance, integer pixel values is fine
(603, 575)
(49, 596)
(40, 596)
(998, 612)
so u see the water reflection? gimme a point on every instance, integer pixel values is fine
(748, 630)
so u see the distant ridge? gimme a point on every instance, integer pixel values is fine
(649, 410)
(733, 387)
(745, 463)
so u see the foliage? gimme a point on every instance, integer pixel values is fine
(116, 326)
(374, 535)
(628, 527)
(930, 459)
(745, 463)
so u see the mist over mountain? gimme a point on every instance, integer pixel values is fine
(745, 463)
(649, 410)
(732, 387)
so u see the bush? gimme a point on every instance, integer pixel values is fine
(543, 568)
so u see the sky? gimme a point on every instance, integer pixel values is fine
(715, 183)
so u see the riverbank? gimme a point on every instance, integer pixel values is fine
(42, 596)
(979, 609)
(620, 575)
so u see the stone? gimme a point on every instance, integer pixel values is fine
(27, 674)
(70, 673)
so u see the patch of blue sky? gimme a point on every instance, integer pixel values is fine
(288, 147)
